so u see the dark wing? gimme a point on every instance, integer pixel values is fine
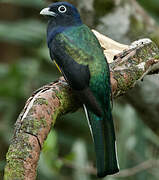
(77, 75)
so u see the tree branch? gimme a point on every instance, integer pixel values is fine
(138, 168)
(146, 165)
(128, 64)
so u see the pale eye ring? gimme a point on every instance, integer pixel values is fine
(62, 9)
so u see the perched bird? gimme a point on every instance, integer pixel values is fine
(79, 56)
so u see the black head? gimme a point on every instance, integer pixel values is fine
(62, 13)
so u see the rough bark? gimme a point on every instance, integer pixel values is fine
(131, 64)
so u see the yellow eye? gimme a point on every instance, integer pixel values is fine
(62, 9)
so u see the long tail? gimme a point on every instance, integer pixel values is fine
(103, 134)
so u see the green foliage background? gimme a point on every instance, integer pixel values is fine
(25, 66)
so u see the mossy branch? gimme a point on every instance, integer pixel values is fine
(128, 64)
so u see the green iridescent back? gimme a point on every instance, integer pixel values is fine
(82, 45)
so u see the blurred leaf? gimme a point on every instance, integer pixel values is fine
(50, 144)
(2, 164)
(28, 32)
(16, 79)
(125, 138)
(149, 134)
(4, 68)
(43, 52)
(80, 161)
(152, 6)
(69, 157)
(49, 156)
(28, 3)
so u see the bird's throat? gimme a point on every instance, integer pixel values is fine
(51, 33)
(55, 27)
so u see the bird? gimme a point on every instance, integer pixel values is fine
(79, 56)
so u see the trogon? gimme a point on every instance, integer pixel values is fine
(79, 56)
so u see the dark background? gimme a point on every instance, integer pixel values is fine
(25, 66)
